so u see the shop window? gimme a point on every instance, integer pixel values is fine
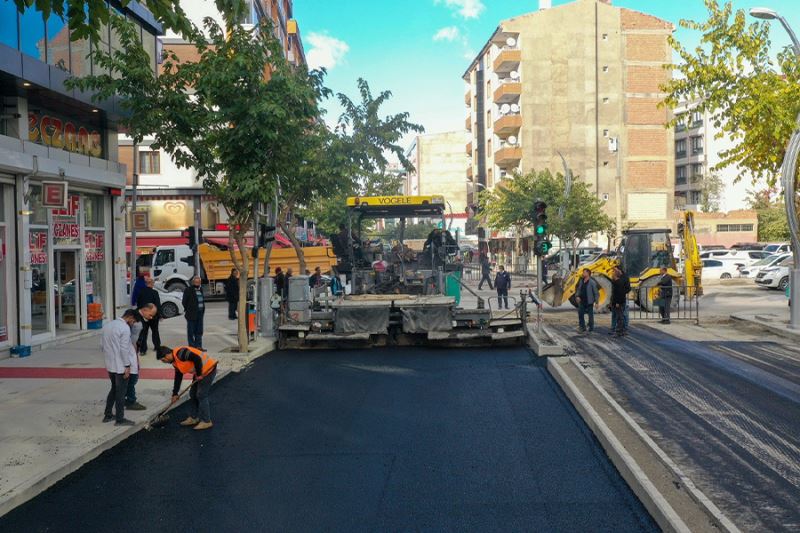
(149, 162)
(38, 212)
(149, 45)
(95, 255)
(8, 29)
(31, 26)
(40, 300)
(58, 42)
(93, 211)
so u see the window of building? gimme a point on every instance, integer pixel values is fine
(150, 46)
(57, 42)
(680, 148)
(680, 122)
(9, 35)
(150, 162)
(94, 210)
(40, 297)
(697, 118)
(695, 197)
(104, 46)
(489, 147)
(680, 175)
(31, 29)
(697, 171)
(723, 228)
(697, 145)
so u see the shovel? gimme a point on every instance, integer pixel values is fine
(162, 418)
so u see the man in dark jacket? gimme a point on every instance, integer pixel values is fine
(194, 308)
(315, 280)
(502, 282)
(149, 295)
(232, 293)
(665, 295)
(486, 270)
(620, 287)
(588, 295)
(280, 281)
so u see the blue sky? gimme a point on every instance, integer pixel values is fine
(419, 49)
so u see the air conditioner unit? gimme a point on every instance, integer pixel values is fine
(511, 42)
(514, 75)
(505, 108)
(512, 140)
(514, 108)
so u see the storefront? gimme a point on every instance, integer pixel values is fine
(7, 262)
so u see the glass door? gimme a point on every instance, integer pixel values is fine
(66, 289)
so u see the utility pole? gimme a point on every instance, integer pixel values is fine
(614, 146)
(133, 210)
(196, 241)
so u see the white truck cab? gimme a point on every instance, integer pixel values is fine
(173, 267)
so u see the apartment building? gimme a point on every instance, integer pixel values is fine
(580, 80)
(698, 145)
(439, 166)
(172, 196)
(61, 180)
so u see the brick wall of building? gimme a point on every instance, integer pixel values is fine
(647, 142)
(644, 79)
(646, 174)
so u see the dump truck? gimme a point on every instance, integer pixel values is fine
(398, 295)
(641, 254)
(173, 266)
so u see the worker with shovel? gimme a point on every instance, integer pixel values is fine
(188, 360)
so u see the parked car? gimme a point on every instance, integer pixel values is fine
(778, 248)
(776, 277)
(171, 304)
(745, 257)
(721, 269)
(769, 261)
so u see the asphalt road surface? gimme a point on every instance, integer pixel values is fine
(382, 440)
(727, 412)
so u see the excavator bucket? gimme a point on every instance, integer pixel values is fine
(553, 292)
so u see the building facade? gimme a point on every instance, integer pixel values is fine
(580, 80)
(439, 164)
(172, 196)
(698, 144)
(726, 229)
(61, 269)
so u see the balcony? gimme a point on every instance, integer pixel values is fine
(680, 181)
(507, 60)
(469, 172)
(468, 123)
(468, 99)
(680, 154)
(469, 148)
(507, 125)
(508, 93)
(508, 156)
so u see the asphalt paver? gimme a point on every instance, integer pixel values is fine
(379, 440)
(727, 411)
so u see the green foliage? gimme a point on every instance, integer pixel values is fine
(511, 205)
(711, 193)
(773, 225)
(754, 99)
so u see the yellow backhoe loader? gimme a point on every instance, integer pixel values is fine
(641, 254)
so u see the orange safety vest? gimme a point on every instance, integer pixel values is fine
(187, 367)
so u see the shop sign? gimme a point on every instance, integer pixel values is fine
(89, 287)
(48, 129)
(38, 247)
(95, 247)
(140, 220)
(3, 334)
(66, 224)
(54, 194)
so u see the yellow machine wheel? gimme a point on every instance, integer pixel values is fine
(649, 292)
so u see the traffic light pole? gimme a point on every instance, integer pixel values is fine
(196, 251)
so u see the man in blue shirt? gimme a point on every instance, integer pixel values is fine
(194, 309)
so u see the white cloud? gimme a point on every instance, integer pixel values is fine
(469, 9)
(326, 51)
(450, 33)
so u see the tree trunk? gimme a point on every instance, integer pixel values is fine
(241, 261)
(298, 248)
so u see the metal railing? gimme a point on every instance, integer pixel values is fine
(684, 304)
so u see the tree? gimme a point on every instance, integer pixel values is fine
(219, 115)
(772, 222)
(512, 204)
(711, 193)
(753, 98)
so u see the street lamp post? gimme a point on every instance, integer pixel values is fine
(788, 170)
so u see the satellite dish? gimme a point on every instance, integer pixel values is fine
(505, 108)
(511, 41)
(514, 108)
(514, 75)
(512, 140)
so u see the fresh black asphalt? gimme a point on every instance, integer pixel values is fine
(380, 440)
(728, 412)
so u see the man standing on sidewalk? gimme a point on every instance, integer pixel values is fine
(620, 287)
(147, 296)
(188, 360)
(232, 293)
(486, 270)
(146, 313)
(665, 296)
(502, 282)
(194, 308)
(119, 355)
(588, 294)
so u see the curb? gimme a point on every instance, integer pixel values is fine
(69, 466)
(782, 331)
(645, 488)
(541, 348)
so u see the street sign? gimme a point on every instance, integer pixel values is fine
(140, 220)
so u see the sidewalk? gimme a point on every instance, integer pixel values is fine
(51, 403)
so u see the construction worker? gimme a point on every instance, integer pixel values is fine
(189, 360)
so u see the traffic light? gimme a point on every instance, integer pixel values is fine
(188, 234)
(266, 234)
(541, 244)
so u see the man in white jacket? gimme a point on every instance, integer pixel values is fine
(120, 355)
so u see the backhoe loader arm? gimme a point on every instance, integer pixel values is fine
(692, 264)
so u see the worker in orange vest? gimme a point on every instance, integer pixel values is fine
(188, 360)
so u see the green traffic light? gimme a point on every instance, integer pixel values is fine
(541, 230)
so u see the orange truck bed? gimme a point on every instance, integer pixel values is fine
(218, 263)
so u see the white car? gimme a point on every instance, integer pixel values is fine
(776, 277)
(778, 248)
(745, 257)
(721, 269)
(171, 304)
(769, 261)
